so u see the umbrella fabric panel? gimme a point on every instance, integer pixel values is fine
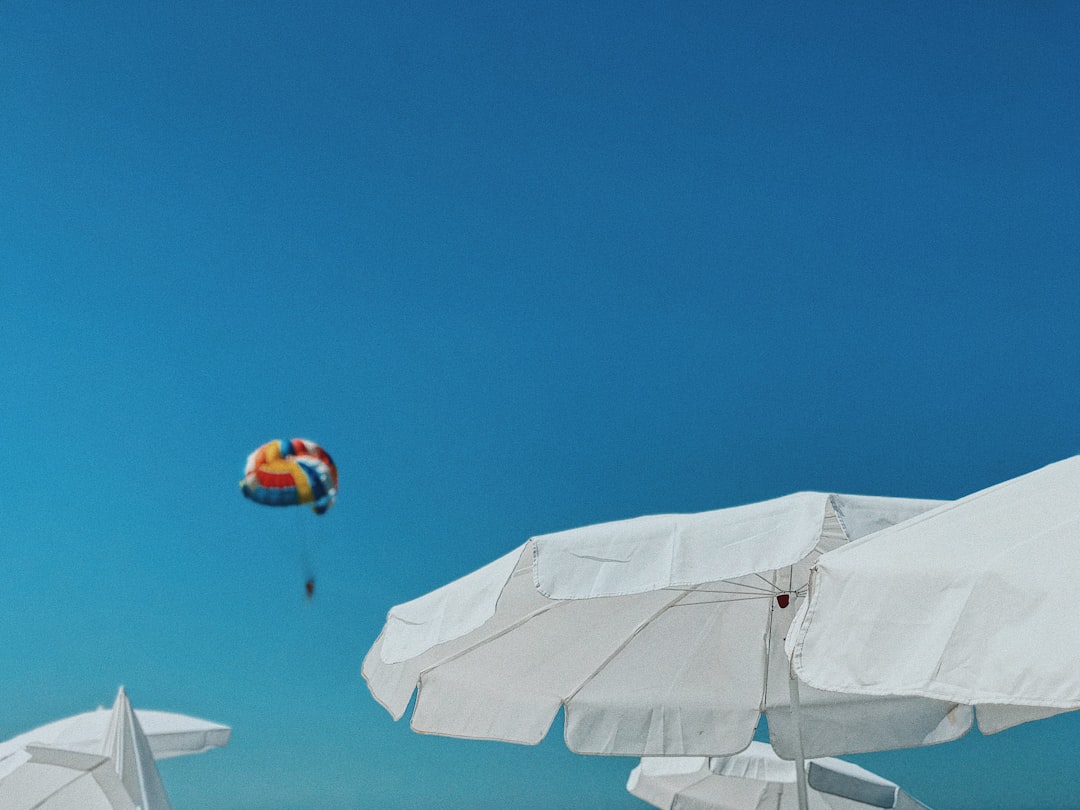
(392, 673)
(994, 718)
(759, 762)
(862, 515)
(833, 726)
(448, 613)
(658, 780)
(664, 551)
(964, 603)
(510, 686)
(685, 783)
(53, 779)
(689, 682)
(175, 735)
(740, 795)
(33, 782)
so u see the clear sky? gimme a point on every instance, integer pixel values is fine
(519, 267)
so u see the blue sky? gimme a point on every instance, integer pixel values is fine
(518, 267)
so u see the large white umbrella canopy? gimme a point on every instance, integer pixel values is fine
(758, 778)
(971, 602)
(660, 635)
(69, 759)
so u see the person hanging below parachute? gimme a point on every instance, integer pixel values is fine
(291, 472)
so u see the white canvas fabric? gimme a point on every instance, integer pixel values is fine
(169, 734)
(55, 779)
(645, 660)
(446, 613)
(758, 778)
(101, 751)
(968, 603)
(177, 735)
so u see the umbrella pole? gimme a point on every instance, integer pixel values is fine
(800, 760)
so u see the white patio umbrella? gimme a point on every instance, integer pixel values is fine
(660, 635)
(972, 602)
(758, 778)
(65, 763)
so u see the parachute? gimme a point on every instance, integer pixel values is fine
(289, 473)
(292, 472)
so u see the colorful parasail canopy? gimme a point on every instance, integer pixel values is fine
(291, 472)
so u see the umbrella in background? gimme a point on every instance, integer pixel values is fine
(93, 753)
(660, 635)
(972, 602)
(758, 778)
(169, 734)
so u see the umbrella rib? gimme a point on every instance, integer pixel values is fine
(629, 637)
(745, 589)
(738, 598)
(769, 583)
(488, 639)
(748, 590)
(62, 787)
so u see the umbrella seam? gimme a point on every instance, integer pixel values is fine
(630, 637)
(66, 784)
(488, 639)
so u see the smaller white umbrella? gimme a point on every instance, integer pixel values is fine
(79, 762)
(169, 734)
(758, 778)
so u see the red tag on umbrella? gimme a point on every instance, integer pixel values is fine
(782, 599)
